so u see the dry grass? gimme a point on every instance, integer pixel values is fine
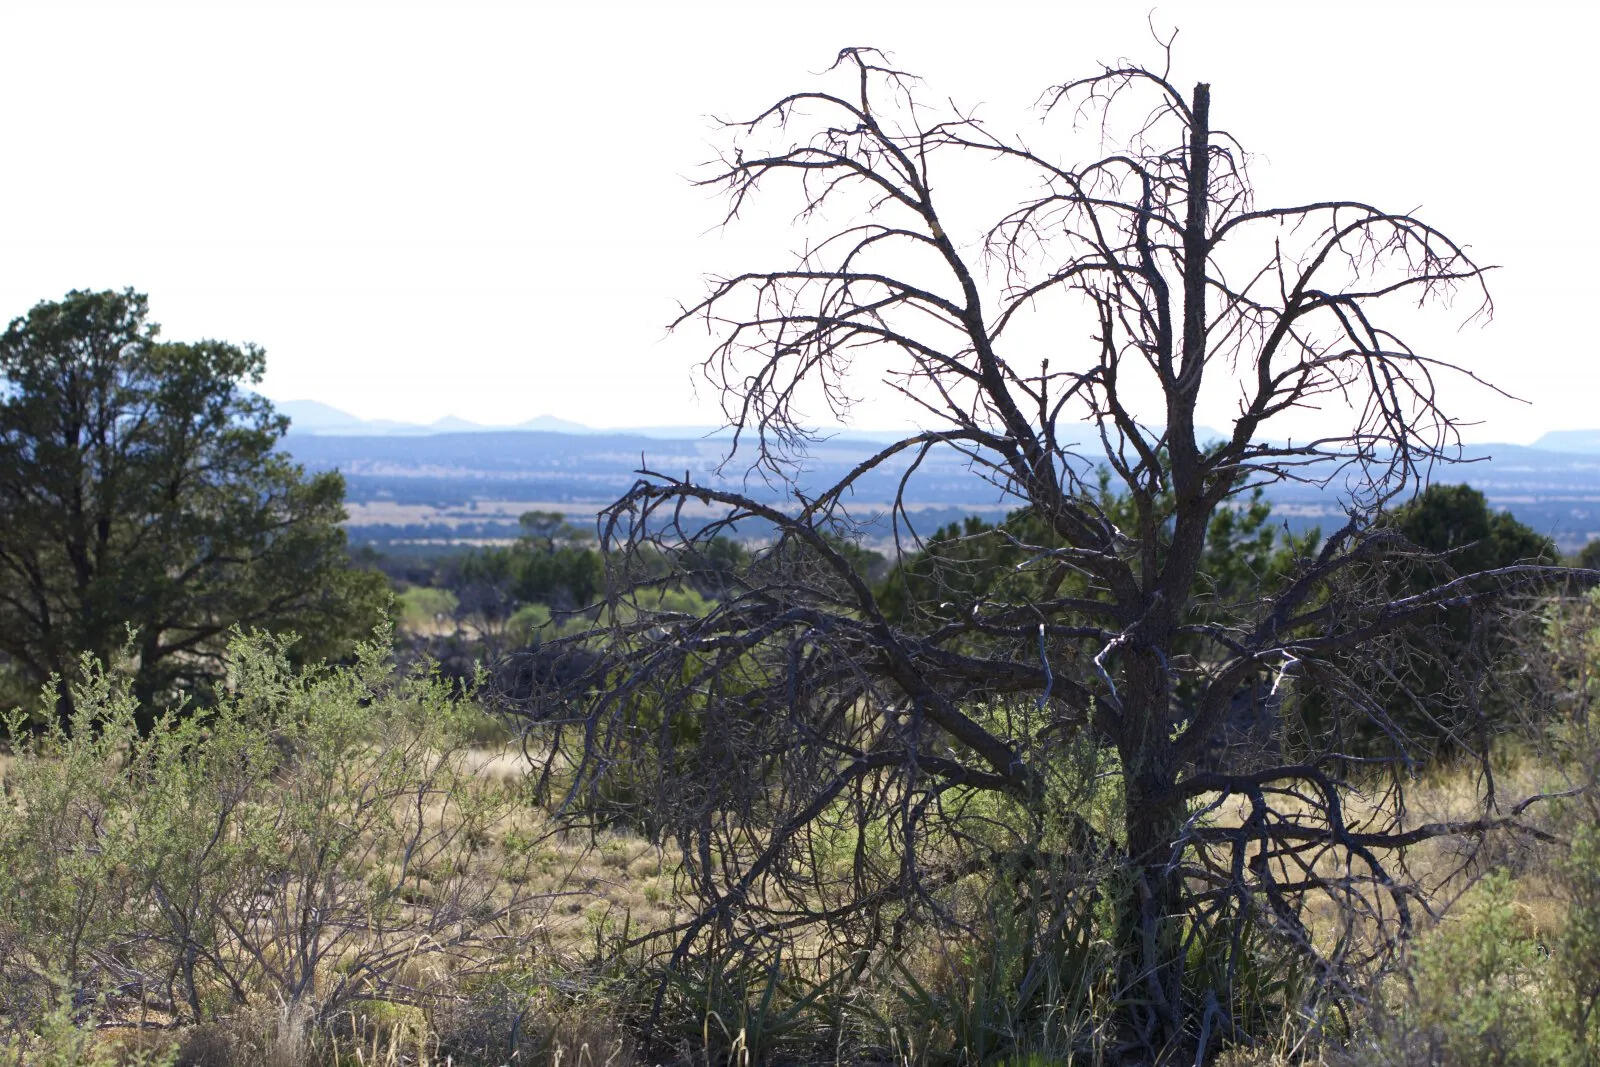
(390, 513)
(603, 883)
(501, 764)
(598, 882)
(1445, 868)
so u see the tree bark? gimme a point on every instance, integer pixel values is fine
(1150, 903)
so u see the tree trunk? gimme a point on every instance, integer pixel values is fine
(1150, 904)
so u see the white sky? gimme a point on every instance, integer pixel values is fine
(477, 209)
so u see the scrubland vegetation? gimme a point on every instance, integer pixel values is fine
(1129, 777)
(351, 864)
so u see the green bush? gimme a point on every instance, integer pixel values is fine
(422, 606)
(1577, 950)
(62, 1037)
(1481, 991)
(319, 839)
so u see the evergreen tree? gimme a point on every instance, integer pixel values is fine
(141, 494)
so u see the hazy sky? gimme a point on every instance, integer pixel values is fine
(481, 209)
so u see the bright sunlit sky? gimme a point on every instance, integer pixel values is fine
(424, 209)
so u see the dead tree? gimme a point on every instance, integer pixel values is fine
(796, 720)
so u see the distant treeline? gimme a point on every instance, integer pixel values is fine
(1556, 493)
(874, 527)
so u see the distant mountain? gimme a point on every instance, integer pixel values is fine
(552, 424)
(452, 424)
(313, 416)
(1569, 441)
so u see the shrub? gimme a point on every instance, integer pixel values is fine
(1479, 987)
(318, 840)
(423, 606)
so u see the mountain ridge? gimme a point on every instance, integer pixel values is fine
(315, 417)
(308, 416)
